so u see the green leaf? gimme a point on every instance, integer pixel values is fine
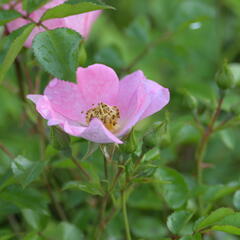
(60, 140)
(196, 236)
(31, 5)
(214, 217)
(150, 201)
(37, 220)
(233, 122)
(57, 51)
(236, 200)
(92, 147)
(4, 1)
(219, 191)
(130, 144)
(8, 15)
(89, 187)
(65, 231)
(14, 50)
(32, 236)
(26, 171)
(25, 198)
(151, 155)
(7, 41)
(70, 8)
(232, 219)
(146, 227)
(7, 179)
(6, 237)
(176, 191)
(227, 229)
(178, 220)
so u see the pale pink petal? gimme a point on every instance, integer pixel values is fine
(133, 99)
(96, 132)
(98, 83)
(44, 107)
(128, 88)
(65, 99)
(54, 3)
(73, 129)
(82, 22)
(159, 98)
(17, 23)
(34, 97)
(139, 98)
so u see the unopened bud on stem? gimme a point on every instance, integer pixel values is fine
(224, 77)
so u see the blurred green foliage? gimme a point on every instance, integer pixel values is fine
(179, 43)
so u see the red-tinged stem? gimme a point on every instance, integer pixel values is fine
(203, 144)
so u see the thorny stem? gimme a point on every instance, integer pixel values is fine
(105, 168)
(26, 16)
(203, 144)
(125, 216)
(85, 173)
(102, 220)
(6, 151)
(102, 223)
(40, 128)
(37, 23)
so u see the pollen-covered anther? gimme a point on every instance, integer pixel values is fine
(109, 115)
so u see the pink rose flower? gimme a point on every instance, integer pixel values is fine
(99, 107)
(80, 23)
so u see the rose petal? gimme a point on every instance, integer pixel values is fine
(34, 97)
(133, 100)
(72, 129)
(98, 83)
(82, 22)
(96, 132)
(66, 99)
(53, 3)
(44, 107)
(159, 98)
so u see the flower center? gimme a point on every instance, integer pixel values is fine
(109, 115)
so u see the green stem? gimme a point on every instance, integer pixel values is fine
(106, 168)
(125, 216)
(203, 145)
(6, 151)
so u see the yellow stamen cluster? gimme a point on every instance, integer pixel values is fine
(109, 115)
